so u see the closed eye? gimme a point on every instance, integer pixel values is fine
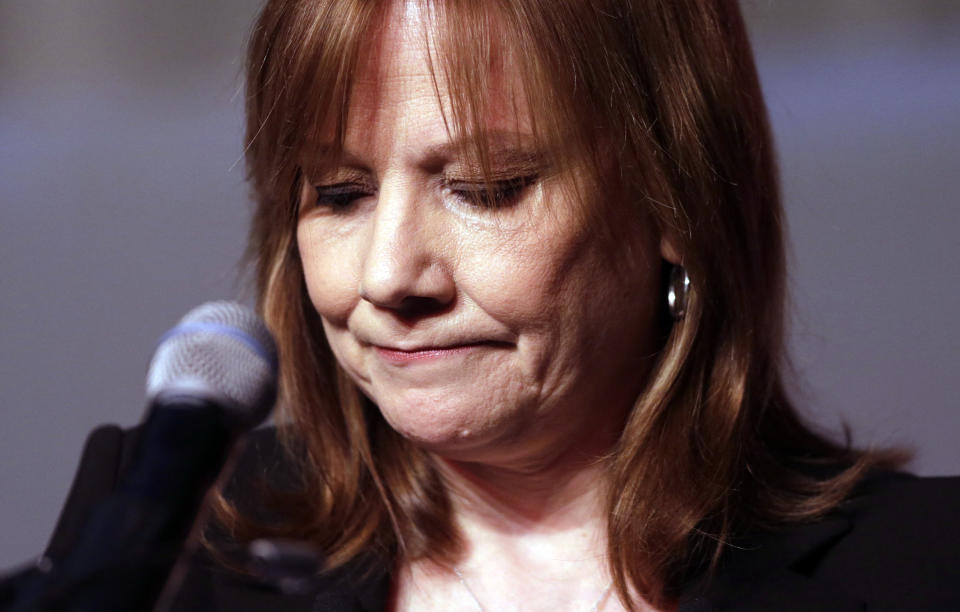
(492, 194)
(341, 196)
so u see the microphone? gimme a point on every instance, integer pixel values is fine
(212, 378)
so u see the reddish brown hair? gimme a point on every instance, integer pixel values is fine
(666, 91)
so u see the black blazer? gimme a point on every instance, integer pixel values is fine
(894, 546)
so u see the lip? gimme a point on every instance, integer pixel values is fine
(429, 353)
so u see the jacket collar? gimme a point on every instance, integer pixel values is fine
(362, 586)
(772, 571)
(767, 571)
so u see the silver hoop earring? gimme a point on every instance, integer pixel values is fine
(678, 290)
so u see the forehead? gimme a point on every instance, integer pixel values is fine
(408, 78)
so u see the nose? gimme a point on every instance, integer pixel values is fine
(406, 268)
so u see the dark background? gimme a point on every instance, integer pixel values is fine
(122, 205)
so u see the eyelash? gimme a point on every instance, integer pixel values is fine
(495, 194)
(340, 196)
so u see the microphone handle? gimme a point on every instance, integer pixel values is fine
(132, 540)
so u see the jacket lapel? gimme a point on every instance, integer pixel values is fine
(767, 572)
(237, 596)
(787, 591)
(772, 572)
(360, 587)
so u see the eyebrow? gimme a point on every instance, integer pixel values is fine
(515, 150)
(313, 156)
(498, 142)
(512, 152)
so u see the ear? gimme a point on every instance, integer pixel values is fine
(669, 250)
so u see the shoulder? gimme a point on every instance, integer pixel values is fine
(904, 539)
(206, 584)
(898, 497)
(105, 453)
(108, 453)
(894, 545)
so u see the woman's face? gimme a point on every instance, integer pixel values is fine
(483, 329)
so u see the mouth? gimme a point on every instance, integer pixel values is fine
(430, 353)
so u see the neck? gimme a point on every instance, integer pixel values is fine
(532, 541)
(545, 499)
(534, 535)
(545, 519)
(533, 526)
(536, 482)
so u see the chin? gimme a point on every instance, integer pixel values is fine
(449, 429)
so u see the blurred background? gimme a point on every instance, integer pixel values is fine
(122, 205)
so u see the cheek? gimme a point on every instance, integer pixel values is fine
(331, 280)
(525, 283)
(568, 287)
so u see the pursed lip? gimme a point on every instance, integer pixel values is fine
(429, 353)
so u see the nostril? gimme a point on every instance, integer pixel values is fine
(416, 307)
(410, 284)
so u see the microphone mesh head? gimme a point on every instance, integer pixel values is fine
(219, 352)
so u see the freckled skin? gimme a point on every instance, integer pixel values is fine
(558, 319)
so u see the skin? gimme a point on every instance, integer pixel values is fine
(506, 338)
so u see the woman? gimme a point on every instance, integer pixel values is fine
(524, 263)
(471, 216)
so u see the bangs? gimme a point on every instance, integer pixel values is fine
(540, 56)
(486, 55)
(324, 61)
